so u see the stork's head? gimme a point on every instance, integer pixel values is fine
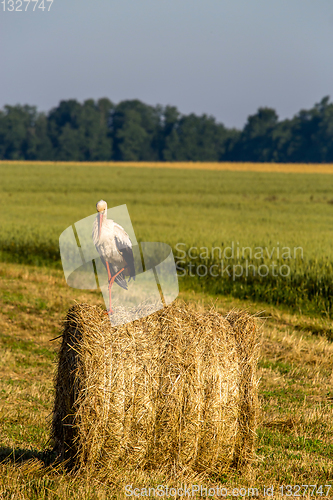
(101, 206)
(101, 209)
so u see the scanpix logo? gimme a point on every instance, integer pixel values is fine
(100, 251)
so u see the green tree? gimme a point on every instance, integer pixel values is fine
(308, 137)
(82, 129)
(66, 114)
(135, 131)
(132, 137)
(17, 131)
(69, 144)
(96, 142)
(43, 149)
(195, 138)
(325, 130)
(136, 126)
(256, 143)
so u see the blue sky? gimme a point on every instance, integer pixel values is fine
(220, 57)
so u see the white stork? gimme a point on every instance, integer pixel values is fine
(114, 247)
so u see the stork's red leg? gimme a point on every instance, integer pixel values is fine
(110, 308)
(110, 285)
(108, 270)
(111, 281)
(113, 277)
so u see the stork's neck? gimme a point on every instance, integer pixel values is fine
(104, 217)
(107, 228)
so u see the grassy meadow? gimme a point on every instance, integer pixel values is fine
(200, 207)
(196, 207)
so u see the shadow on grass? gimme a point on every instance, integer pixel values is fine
(21, 455)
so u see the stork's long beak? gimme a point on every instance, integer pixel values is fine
(100, 220)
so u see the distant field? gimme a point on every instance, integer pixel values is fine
(300, 168)
(199, 207)
(192, 204)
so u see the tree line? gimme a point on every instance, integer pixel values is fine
(134, 131)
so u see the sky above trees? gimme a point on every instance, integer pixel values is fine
(219, 57)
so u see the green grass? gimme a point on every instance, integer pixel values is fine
(195, 207)
(200, 209)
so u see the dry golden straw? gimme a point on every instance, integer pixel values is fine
(176, 389)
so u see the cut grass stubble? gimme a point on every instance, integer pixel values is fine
(295, 434)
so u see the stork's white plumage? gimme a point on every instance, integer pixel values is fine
(114, 247)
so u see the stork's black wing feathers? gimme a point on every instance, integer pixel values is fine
(127, 253)
(124, 246)
(120, 280)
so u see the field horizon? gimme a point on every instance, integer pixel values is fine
(301, 168)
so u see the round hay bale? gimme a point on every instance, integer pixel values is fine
(175, 388)
(247, 343)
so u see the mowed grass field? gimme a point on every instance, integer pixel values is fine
(200, 207)
(295, 433)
